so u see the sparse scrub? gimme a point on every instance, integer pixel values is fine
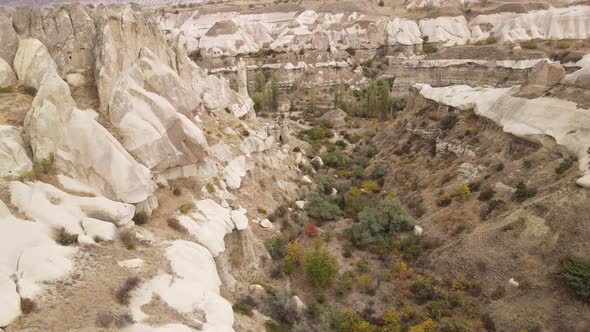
(27, 306)
(280, 307)
(175, 225)
(575, 275)
(210, 188)
(129, 239)
(444, 200)
(245, 306)
(186, 207)
(124, 292)
(564, 166)
(448, 122)
(64, 238)
(140, 218)
(276, 246)
(523, 192)
(529, 45)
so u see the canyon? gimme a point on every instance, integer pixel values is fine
(386, 165)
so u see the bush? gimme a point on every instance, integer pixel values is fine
(463, 192)
(486, 194)
(320, 267)
(185, 208)
(424, 289)
(350, 321)
(29, 90)
(381, 223)
(425, 326)
(575, 275)
(445, 200)
(129, 240)
(175, 225)
(564, 166)
(123, 293)
(335, 159)
(490, 40)
(371, 186)
(276, 246)
(381, 3)
(318, 133)
(322, 207)
(448, 122)
(354, 201)
(522, 192)
(140, 218)
(294, 253)
(177, 192)
(27, 306)
(244, 306)
(429, 48)
(280, 307)
(379, 171)
(412, 246)
(345, 283)
(529, 45)
(64, 238)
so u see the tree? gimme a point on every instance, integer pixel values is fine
(260, 81)
(274, 94)
(320, 267)
(384, 98)
(258, 99)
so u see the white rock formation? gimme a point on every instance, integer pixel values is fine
(525, 118)
(209, 222)
(7, 76)
(14, 159)
(193, 288)
(81, 147)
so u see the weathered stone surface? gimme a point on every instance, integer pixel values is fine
(14, 159)
(8, 37)
(32, 62)
(545, 73)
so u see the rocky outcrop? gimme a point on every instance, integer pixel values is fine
(8, 37)
(525, 118)
(80, 146)
(14, 157)
(545, 73)
(232, 33)
(7, 76)
(67, 31)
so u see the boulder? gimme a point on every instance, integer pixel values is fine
(14, 158)
(546, 74)
(10, 308)
(336, 117)
(32, 61)
(298, 305)
(305, 179)
(418, 230)
(8, 37)
(239, 219)
(317, 161)
(265, 223)
(99, 229)
(7, 76)
(234, 171)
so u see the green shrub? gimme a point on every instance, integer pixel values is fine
(354, 201)
(128, 239)
(529, 45)
(244, 306)
(345, 283)
(491, 40)
(486, 194)
(140, 218)
(562, 45)
(7, 89)
(436, 309)
(335, 159)
(412, 246)
(424, 289)
(575, 275)
(379, 171)
(448, 122)
(522, 192)
(64, 238)
(324, 182)
(322, 207)
(350, 321)
(564, 166)
(280, 307)
(379, 224)
(318, 133)
(276, 246)
(381, 3)
(320, 267)
(444, 200)
(210, 188)
(429, 48)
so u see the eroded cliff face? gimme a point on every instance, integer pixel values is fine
(166, 139)
(114, 115)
